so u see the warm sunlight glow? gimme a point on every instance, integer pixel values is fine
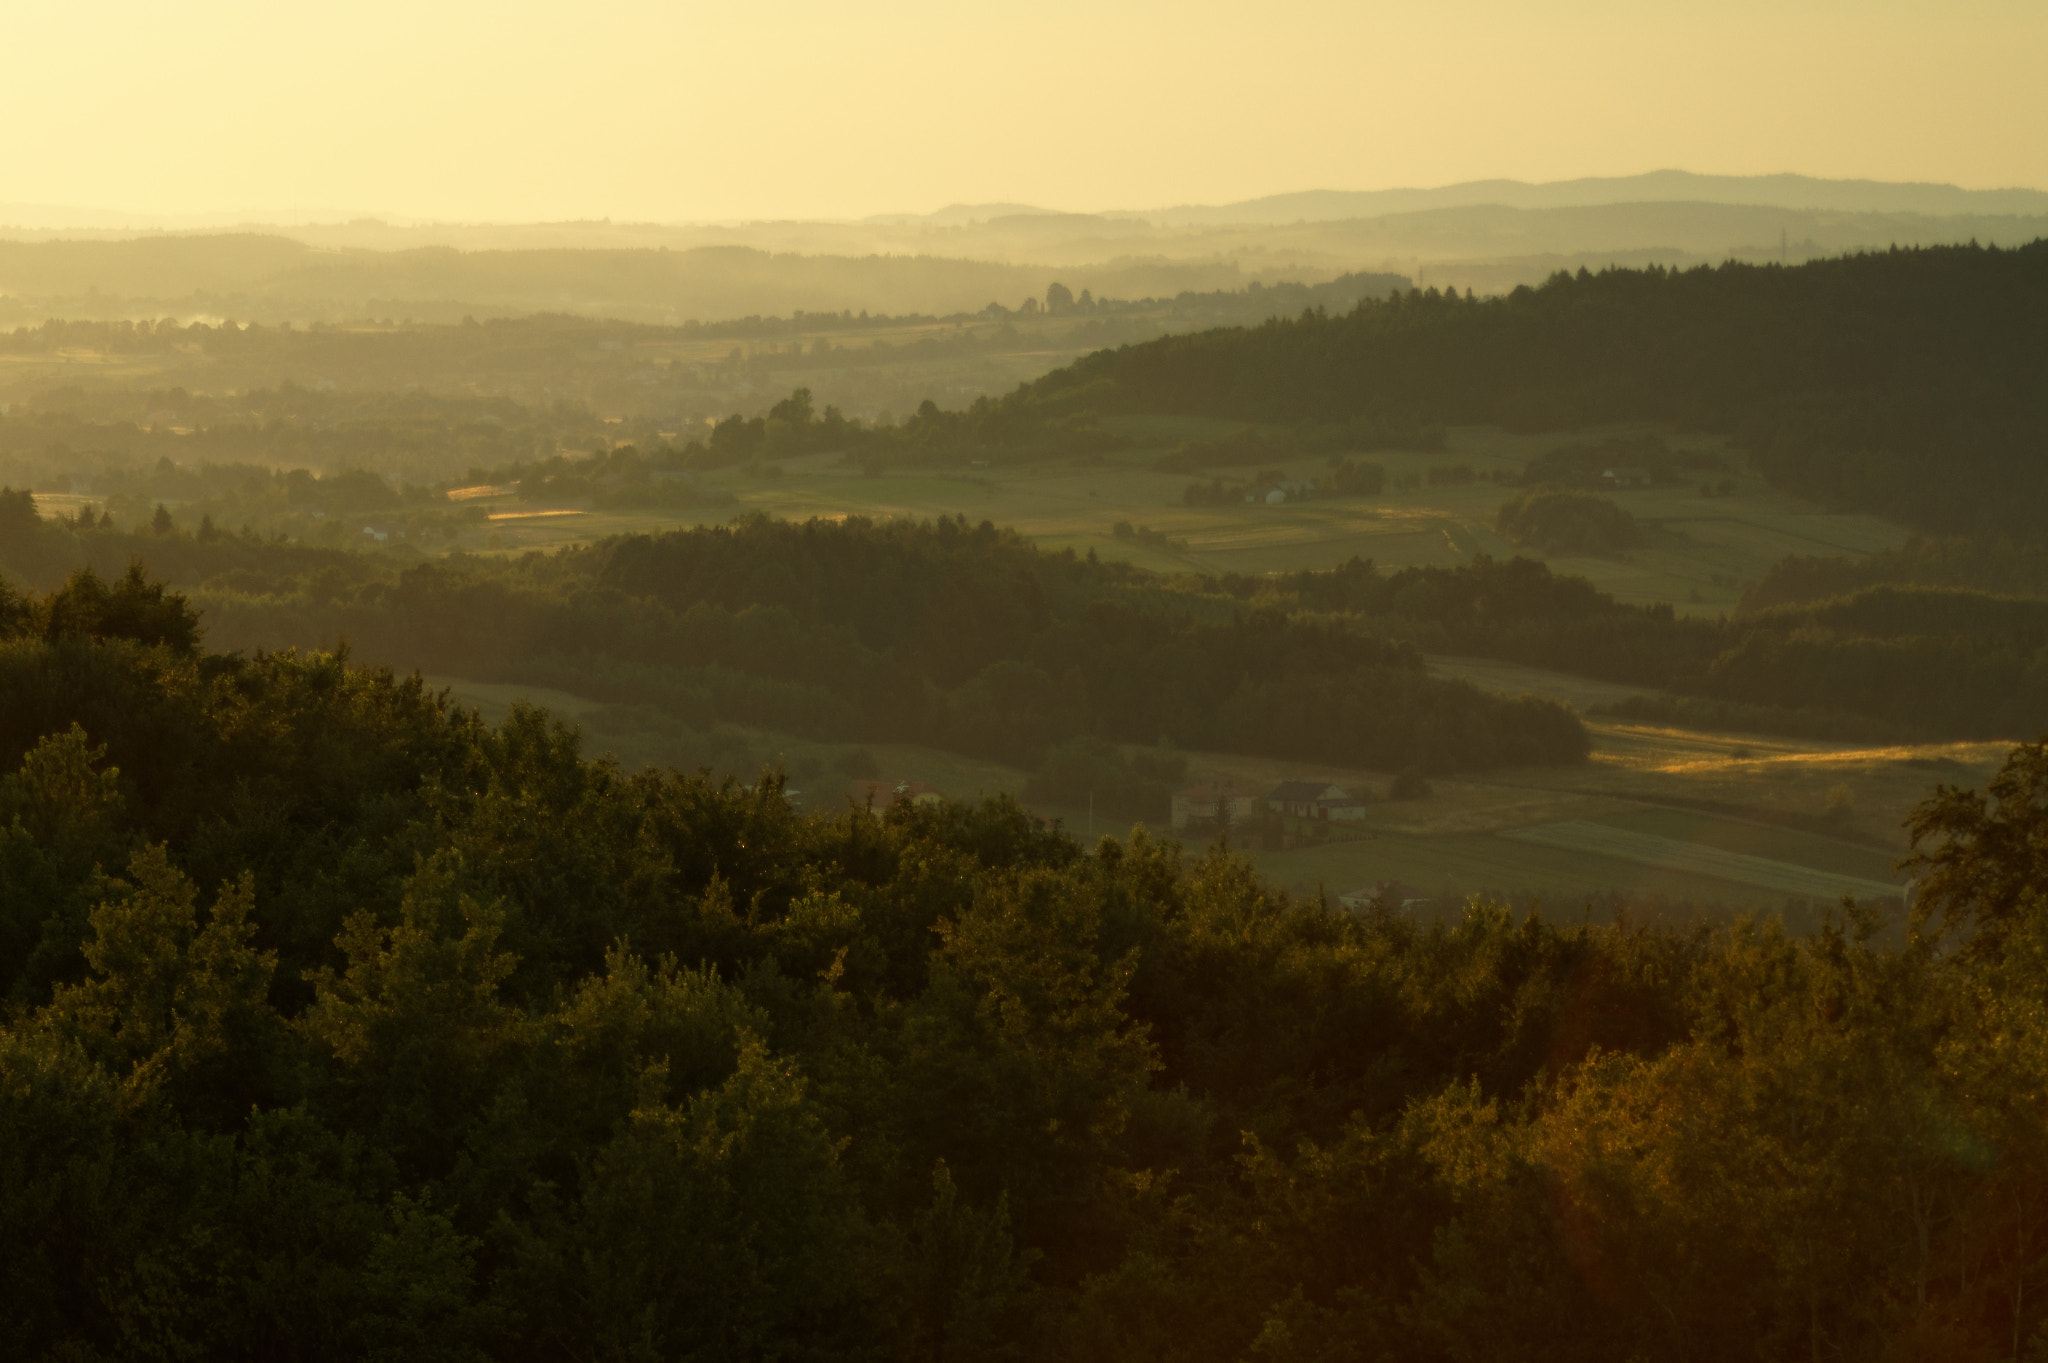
(637, 109)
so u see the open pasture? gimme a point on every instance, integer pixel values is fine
(1701, 858)
(1702, 552)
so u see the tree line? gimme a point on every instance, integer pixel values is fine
(1900, 661)
(960, 636)
(970, 638)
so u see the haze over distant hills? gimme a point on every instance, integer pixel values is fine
(1313, 205)
(1487, 236)
(1659, 186)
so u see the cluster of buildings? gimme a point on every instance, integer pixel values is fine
(1214, 802)
(1287, 490)
(1209, 804)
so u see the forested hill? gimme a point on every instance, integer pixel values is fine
(961, 636)
(1910, 383)
(970, 638)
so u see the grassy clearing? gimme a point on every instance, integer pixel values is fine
(1744, 837)
(1564, 880)
(1513, 679)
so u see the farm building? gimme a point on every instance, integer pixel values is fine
(1212, 802)
(1313, 800)
(1299, 798)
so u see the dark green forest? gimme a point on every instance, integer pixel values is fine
(343, 1025)
(1910, 383)
(964, 637)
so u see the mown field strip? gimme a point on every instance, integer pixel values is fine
(1647, 849)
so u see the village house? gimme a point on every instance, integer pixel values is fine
(879, 795)
(1212, 802)
(1313, 800)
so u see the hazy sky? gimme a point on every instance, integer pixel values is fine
(516, 109)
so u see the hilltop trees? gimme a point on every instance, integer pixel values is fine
(959, 635)
(1902, 382)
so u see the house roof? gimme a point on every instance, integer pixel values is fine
(1299, 792)
(1211, 790)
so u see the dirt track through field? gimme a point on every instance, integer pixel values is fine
(1647, 849)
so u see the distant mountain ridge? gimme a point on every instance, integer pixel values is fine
(1659, 186)
(1311, 205)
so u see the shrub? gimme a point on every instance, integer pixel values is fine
(1568, 522)
(1409, 784)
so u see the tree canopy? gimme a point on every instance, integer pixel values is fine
(344, 1025)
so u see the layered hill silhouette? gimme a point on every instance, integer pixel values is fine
(1487, 236)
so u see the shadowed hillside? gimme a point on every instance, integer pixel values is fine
(1911, 383)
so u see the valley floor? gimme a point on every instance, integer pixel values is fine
(1703, 550)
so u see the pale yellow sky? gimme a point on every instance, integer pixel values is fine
(522, 110)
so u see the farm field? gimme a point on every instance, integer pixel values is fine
(1706, 823)
(1701, 859)
(1703, 550)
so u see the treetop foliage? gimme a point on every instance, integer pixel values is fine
(345, 1025)
(132, 607)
